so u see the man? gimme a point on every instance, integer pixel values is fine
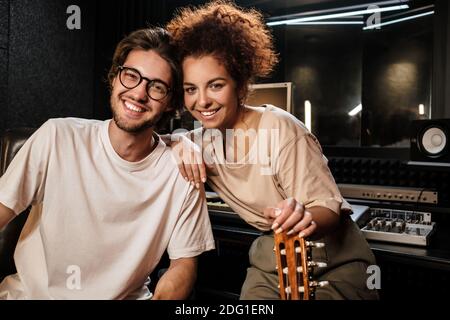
(107, 198)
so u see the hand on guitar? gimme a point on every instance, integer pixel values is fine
(291, 216)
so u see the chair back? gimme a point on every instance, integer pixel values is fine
(10, 142)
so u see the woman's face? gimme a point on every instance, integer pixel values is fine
(210, 94)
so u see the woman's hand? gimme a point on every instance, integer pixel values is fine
(291, 216)
(189, 159)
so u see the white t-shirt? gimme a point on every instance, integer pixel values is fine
(99, 224)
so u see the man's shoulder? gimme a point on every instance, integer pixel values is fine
(63, 126)
(75, 123)
(167, 157)
(167, 161)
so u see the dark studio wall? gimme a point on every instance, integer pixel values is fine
(114, 20)
(4, 22)
(50, 71)
(49, 67)
(441, 60)
(325, 64)
(337, 67)
(397, 73)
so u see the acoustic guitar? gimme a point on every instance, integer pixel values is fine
(295, 267)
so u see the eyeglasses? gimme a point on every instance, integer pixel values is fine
(130, 78)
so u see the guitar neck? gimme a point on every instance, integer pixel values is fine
(292, 264)
(295, 267)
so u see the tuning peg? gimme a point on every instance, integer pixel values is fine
(315, 244)
(310, 264)
(315, 284)
(317, 264)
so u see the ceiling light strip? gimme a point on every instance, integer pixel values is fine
(338, 15)
(325, 23)
(339, 9)
(398, 20)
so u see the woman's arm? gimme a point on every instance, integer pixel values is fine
(188, 156)
(305, 178)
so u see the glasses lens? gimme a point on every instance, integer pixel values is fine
(130, 78)
(157, 90)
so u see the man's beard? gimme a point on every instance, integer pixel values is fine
(136, 128)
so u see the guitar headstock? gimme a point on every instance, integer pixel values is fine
(295, 267)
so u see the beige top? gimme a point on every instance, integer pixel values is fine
(99, 224)
(285, 160)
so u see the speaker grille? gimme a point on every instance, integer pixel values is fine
(433, 141)
(429, 140)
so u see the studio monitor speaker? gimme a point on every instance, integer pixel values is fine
(430, 140)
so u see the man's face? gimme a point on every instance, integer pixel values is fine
(133, 110)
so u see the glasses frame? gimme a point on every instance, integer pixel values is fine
(149, 82)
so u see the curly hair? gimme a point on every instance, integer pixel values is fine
(158, 40)
(237, 37)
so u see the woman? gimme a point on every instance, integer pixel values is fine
(262, 161)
